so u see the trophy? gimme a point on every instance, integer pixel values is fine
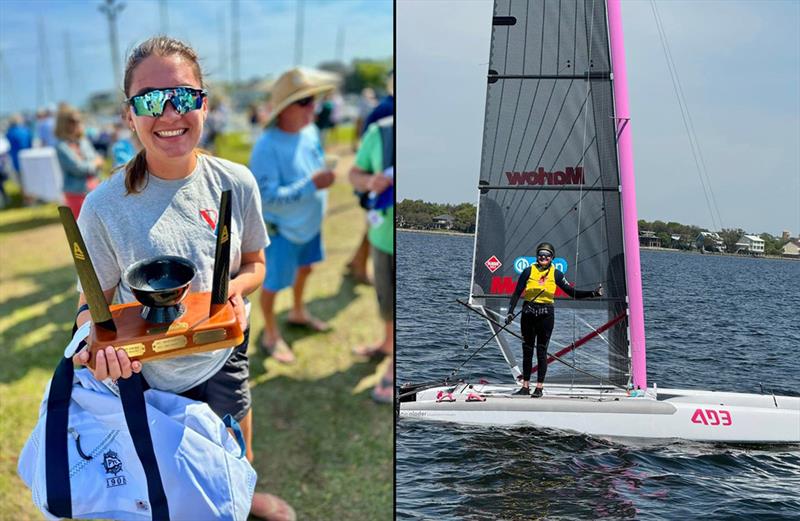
(166, 321)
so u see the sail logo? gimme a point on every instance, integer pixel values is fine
(522, 263)
(712, 417)
(570, 176)
(502, 286)
(506, 285)
(493, 263)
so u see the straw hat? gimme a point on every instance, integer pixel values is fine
(296, 84)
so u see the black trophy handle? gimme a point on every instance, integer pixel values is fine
(222, 257)
(98, 307)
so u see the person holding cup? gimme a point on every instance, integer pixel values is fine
(292, 174)
(164, 201)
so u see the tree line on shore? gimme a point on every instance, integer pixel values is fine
(420, 215)
(689, 233)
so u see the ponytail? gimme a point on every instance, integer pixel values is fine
(136, 171)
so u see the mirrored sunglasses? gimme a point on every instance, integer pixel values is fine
(152, 103)
(305, 101)
(544, 253)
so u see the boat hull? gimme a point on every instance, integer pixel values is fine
(668, 414)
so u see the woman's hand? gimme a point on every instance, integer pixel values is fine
(237, 301)
(379, 183)
(599, 291)
(109, 363)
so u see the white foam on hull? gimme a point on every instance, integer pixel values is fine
(673, 413)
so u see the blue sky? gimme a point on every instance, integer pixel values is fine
(739, 66)
(266, 27)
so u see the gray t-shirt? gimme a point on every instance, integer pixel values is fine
(172, 218)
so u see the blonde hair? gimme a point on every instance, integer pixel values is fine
(136, 168)
(66, 123)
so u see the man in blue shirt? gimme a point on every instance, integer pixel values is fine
(289, 165)
(19, 138)
(385, 107)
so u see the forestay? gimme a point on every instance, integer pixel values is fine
(549, 172)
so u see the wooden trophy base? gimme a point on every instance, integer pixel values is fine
(193, 332)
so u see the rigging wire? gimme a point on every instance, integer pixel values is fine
(688, 124)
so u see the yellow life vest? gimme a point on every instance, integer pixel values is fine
(541, 286)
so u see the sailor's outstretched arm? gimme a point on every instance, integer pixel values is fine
(561, 282)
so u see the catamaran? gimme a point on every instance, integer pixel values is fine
(557, 165)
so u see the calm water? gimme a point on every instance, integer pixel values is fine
(717, 323)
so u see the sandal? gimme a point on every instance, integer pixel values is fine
(279, 351)
(442, 396)
(312, 323)
(358, 278)
(271, 508)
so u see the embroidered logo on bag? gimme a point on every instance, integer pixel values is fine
(113, 465)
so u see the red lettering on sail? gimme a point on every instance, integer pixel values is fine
(570, 176)
(712, 417)
(502, 286)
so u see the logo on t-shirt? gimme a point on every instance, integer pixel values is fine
(210, 217)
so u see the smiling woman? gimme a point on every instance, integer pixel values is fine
(165, 204)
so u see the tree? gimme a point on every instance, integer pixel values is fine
(772, 245)
(730, 236)
(367, 73)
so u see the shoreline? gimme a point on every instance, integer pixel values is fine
(434, 232)
(666, 250)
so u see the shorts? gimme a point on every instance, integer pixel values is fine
(383, 266)
(284, 257)
(228, 391)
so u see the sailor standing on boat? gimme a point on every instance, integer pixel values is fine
(537, 284)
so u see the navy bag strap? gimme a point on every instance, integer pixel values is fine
(133, 404)
(59, 499)
(59, 494)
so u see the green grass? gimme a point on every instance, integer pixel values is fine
(319, 440)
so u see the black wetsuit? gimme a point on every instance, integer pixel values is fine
(538, 320)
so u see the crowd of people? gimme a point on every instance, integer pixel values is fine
(163, 172)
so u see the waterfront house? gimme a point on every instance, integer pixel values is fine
(649, 239)
(444, 222)
(750, 244)
(792, 249)
(709, 241)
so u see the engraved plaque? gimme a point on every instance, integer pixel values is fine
(133, 349)
(167, 344)
(212, 335)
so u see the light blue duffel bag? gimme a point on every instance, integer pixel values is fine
(137, 456)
